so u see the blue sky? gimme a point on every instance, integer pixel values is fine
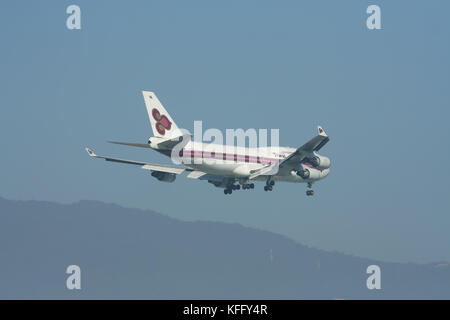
(381, 95)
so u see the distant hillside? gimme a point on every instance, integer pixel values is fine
(130, 253)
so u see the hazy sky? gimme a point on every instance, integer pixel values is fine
(382, 96)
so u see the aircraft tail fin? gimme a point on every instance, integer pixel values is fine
(162, 123)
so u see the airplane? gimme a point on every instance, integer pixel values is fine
(223, 166)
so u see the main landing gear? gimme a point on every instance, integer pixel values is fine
(269, 185)
(309, 192)
(245, 186)
(230, 188)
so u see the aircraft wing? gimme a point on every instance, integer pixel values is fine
(193, 174)
(144, 165)
(268, 170)
(294, 159)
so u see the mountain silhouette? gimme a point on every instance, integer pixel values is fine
(129, 253)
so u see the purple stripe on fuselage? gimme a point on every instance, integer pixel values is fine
(219, 156)
(225, 156)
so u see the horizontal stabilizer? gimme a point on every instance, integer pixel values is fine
(140, 145)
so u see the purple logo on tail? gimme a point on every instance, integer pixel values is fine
(162, 123)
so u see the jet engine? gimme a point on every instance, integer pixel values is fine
(308, 173)
(164, 176)
(319, 162)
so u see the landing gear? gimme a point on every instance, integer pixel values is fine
(246, 186)
(269, 184)
(229, 189)
(309, 192)
(232, 186)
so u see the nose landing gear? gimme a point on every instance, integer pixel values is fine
(269, 184)
(309, 192)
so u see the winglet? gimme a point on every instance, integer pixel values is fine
(90, 152)
(321, 131)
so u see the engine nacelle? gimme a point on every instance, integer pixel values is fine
(164, 176)
(319, 162)
(308, 173)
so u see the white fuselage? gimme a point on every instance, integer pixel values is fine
(234, 161)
